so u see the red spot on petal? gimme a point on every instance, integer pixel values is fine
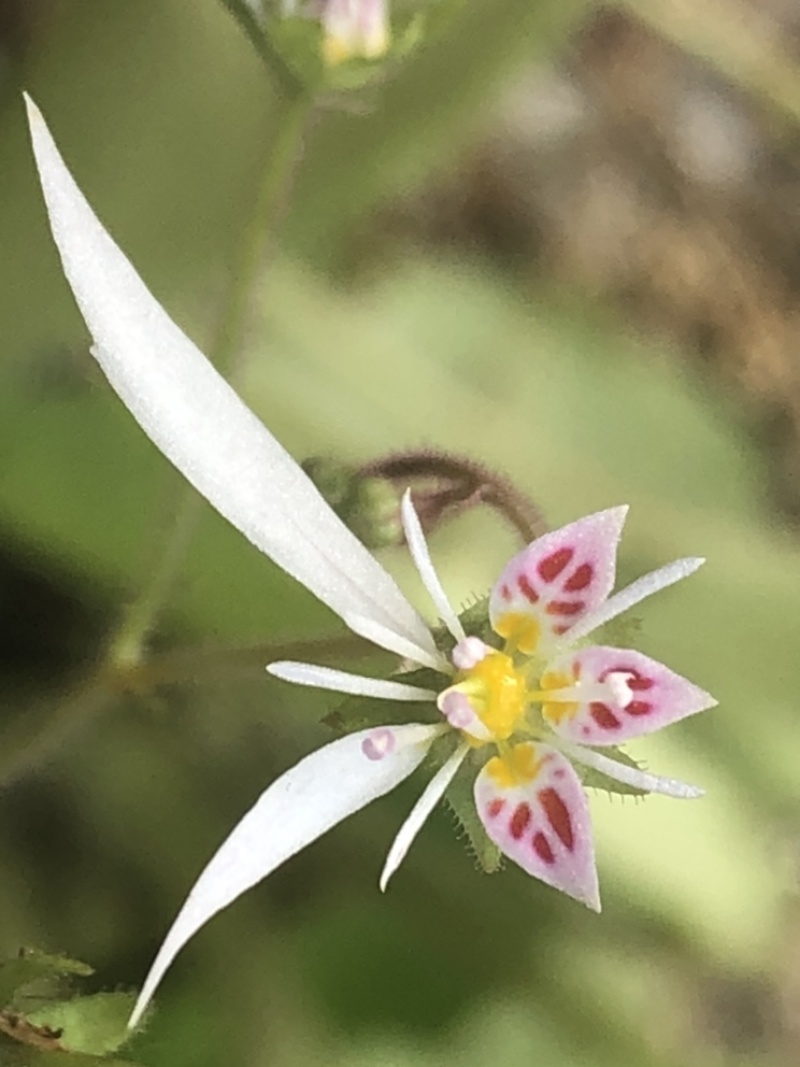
(580, 579)
(565, 607)
(495, 807)
(519, 821)
(527, 589)
(635, 680)
(604, 716)
(551, 566)
(505, 592)
(558, 816)
(541, 846)
(638, 707)
(561, 628)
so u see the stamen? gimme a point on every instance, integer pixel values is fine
(469, 653)
(344, 682)
(457, 708)
(386, 638)
(383, 741)
(433, 793)
(418, 547)
(631, 595)
(614, 689)
(648, 783)
(379, 743)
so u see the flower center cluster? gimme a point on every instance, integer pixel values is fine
(493, 693)
(497, 693)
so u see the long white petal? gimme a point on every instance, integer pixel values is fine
(632, 594)
(418, 547)
(389, 639)
(299, 807)
(191, 413)
(343, 682)
(651, 783)
(433, 793)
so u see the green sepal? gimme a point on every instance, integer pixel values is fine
(622, 632)
(95, 1025)
(31, 966)
(461, 801)
(475, 620)
(593, 779)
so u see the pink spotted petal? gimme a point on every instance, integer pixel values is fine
(650, 696)
(556, 580)
(541, 821)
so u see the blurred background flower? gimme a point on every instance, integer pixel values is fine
(561, 238)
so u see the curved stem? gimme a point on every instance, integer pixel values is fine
(459, 483)
(46, 727)
(262, 44)
(202, 663)
(42, 731)
(262, 226)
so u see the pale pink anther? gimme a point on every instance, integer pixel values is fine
(469, 652)
(378, 744)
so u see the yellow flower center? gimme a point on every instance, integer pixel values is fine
(498, 692)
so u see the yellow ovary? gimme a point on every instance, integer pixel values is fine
(497, 692)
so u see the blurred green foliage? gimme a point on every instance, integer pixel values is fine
(165, 117)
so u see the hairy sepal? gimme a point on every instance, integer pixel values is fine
(461, 801)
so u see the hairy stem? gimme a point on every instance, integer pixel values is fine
(458, 484)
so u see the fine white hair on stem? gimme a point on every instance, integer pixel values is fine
(433, 793)
(196, 419)
(344, 682)
(632, 594)
(621, 772)
(418, 547)
(302, 805)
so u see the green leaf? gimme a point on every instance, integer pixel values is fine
(95, 1024)
(31, 966)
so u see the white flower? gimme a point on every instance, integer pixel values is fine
(536, 700)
